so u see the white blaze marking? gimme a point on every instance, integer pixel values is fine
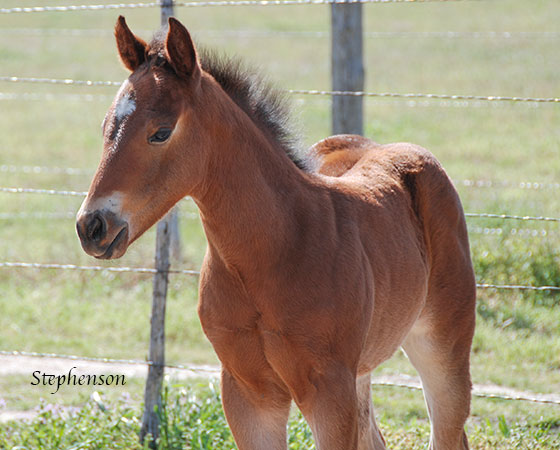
(125, 107)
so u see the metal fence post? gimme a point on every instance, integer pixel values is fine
(347, 67)
(154, 381)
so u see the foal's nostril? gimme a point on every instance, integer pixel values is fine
(96, 228)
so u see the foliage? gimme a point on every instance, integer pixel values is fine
(192, 418)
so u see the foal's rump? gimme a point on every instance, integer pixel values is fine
(420, 256)
(434, 202)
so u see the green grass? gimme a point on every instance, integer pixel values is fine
(517, 342)
(192, 417)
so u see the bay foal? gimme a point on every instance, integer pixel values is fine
(319, 266)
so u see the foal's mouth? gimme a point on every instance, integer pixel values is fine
(117, 248)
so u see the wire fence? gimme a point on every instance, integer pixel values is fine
(488, 231)
(214, 371)
(489, 98)
(537, 398)
(297, 34)
(68, 8)
(146, 270)
(300, 100)
(473, 183)
(11, 190)
(521, 232)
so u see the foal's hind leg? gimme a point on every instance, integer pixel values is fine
(256, 413)
(439, 349)
(370, 437)
(329, 402)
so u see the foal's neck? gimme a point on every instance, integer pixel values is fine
(253, 193)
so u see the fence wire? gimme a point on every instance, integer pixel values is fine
(481, 183)
(399, 102)
(206, 371)
(191, 368)
(25, 265)
(511, 217)
(63, 81)
(534, 185)
(94, 268)
(298, 34)
(487, 231)
(35, 9)
(10, 168)
(10, 190)
(43, 97)
(490, 98)
(48, 215)
(520, 232)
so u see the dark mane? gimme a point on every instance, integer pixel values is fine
(265, 105)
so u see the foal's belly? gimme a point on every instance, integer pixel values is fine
(400, 291)
(386, 336)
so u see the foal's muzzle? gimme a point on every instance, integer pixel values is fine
(102, 234)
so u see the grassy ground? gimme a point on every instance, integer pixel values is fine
(192, 418)
(517, 342)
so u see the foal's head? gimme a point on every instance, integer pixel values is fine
(166, 132)
(149, 131)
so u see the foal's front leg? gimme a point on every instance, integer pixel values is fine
(257, 413)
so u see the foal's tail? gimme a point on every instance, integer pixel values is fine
(440, 213)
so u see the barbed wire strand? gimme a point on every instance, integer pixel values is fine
(10, 168)
(248, 33)
(521, 232)
(38, 215)
(517, 287)
(536, 185)
(63, 81)
(196, 272)
(35, 9)
(538, 398)
(48, 96)
(400, 102)
(192, 368)
(212, 370)
(480, 183)
(512, 217)
(48, 215)
(10, 190)
(491, 98)
(148, 270)
(487, 231)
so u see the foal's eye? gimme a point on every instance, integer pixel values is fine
(160, 136)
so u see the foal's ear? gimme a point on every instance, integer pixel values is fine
(132, 49)
(181, 53)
